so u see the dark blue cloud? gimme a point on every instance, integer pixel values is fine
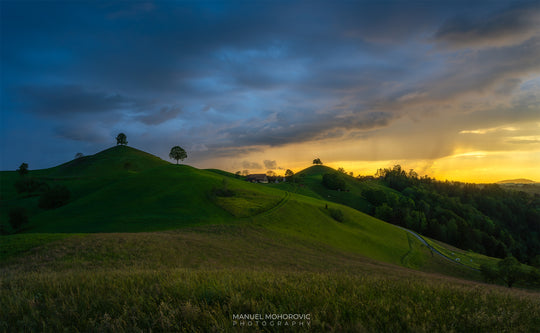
(164, 114)
(510, 26)
(233, 77)
(60, 101)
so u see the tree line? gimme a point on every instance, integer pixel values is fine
(509, 271)
(484, 218)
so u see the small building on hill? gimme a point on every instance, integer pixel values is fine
(257, 178)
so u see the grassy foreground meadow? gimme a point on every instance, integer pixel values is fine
(197, 279)
(144, 245)
(206, 300)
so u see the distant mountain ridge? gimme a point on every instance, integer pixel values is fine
(516, 181)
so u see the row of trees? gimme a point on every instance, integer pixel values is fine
(509, 271)
(272, 175)
(484, 218)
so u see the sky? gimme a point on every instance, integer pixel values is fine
(450, 89)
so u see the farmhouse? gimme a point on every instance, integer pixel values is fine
(257, 178)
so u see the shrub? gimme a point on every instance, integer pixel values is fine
(337, 214)
(18, 217)
(384, 212)
(30, 185)
(375, 197)
(532, 277)
(509, 270)
(333, 181)
(223, 191)
(23, 169)
(54, 197)
(489, 273)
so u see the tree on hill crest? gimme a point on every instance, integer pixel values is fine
(121, 139)
(23, 169)
(178, 153)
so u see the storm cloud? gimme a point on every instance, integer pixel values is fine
(270, 164)
(60, 101)
(232, 79)
(507, 27)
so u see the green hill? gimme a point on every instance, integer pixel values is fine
(486, 219)
(112, 162)
(122, 189)
(309, 182)
(143, 244)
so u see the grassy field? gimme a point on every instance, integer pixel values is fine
(147, 245)
(153, 195)
(197, 279)
(207, 300)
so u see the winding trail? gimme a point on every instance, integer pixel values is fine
(287, 196)
(280, 204)
(432, 249)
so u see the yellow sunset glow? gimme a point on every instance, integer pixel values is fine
(466, 166)
(481, 155)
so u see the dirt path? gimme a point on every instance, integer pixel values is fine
(280, 204)
(434, 250)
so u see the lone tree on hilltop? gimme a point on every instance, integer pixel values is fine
(23, 169)
(177, 153)
(317, 161)
(121, 139)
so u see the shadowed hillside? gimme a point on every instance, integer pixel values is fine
(144, 244)
(114, 161)
(483, 218)
(122, 189)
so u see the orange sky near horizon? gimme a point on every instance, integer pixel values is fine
(482, 155)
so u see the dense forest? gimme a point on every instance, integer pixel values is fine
(483, 218)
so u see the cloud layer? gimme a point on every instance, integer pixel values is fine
(235, 79)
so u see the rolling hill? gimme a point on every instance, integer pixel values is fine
(146, 244)
(123, 189)
(484, 218)
(126, 190)
(310, 184)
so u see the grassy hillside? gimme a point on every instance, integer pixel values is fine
(485, 218)
(309, 182)
(143, 244)
(196, 279)
(109, 163)
(165, 197)
(122, 189)
(82, 176)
